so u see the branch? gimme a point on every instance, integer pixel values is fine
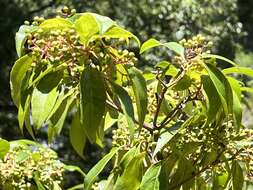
(214, 163)
(119, 109)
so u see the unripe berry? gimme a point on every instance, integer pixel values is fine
(65, 9)
(73, 11)
(27, 22)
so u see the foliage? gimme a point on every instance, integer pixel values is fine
(179, 125)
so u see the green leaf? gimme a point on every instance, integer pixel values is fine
(236, 86)
(174, 46)
(222, 86)
(167, 68)
(208, 158)
(218, 57)
(118, 32)
(237, 176)
(44, 97)
(237, 110)
(132, 174)
(109, 121)
(165, 137)
(214, 102)
(87, 26)
(22, 156)
(17, 75)
(239, 70)
(4, 147)
(151, 43)
(167, 167)
(57, 120)
(97, 169)
(128, 157)
(50, 69)
(150, 180)
(72, 168)
(105, 22)
(140, 92)
(56, 186)
(184, 171)
(220, 179)
(24, 111)
(55, 23)
(21, 37)
(92, 102)
(126, 104)
(37, 181)
(77, 135)
(183, 84)
(61, 97)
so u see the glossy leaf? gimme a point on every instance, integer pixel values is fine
(21, 37)
(97, 169)
(150, 180)
(167, 167)
(77, 135)
(57, 120)
(214, 102)
(118, 32)
(72, 168)
(87, 26)
(132, 174)
(4, 147)
(22, 156)
(239, 70)
(151, 43)
(164, 138)
(17, 75)
(55, 23)
(183, 172)
(237, 176)
(128, 157)
(140, 92)
(109, 121)
(222, 86)
(219, 57)
(183, 84)
(105, 22)
(92, 103)
(127, 105)
(44, 97)
(176, 47)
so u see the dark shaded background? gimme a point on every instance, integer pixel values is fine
(229, 23)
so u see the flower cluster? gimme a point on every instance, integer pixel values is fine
(25, 166)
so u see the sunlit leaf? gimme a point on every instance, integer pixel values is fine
(131, 176)
(77, 135)
(219, 58)
(87, 26)
(140, 92)
(127, 105)
(4, 147)
(150, 180)
(21, 37)
(97, 169)
(55, 23)
(17, 74)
